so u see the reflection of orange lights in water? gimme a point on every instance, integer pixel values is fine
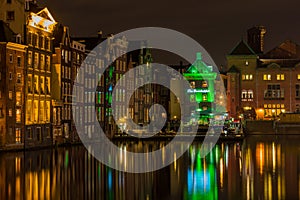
(260, 150)
(221, 172)
(37, 185)
(274, 157)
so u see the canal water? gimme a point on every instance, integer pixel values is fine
(260, 167)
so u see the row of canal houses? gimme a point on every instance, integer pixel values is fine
(39, 62)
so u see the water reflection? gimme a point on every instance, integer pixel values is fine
(258, 168)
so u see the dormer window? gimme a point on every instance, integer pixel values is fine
(18, 39)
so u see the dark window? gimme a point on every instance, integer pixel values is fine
(8, 1)
(19, 61)
(10, 15)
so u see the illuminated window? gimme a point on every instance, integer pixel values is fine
(41, 111)
(47, 63)
(47, 110)
(18, 115)
(18, 136)
(280, 77)
(272, 110)
(35, 111)
(18, 98)
(204, 84)
(10, 112)
(36, 60)
(204, 97)
(36, 84)
(193, 85)
(10, 95)
(298, 77)
(267, 77)
(28, 111)
(37, 40)
(250, 94)
(42, 85)
(47, 85)
(244, 94)
(42, 61)
(247, 77)
(19, 78)
(29, 58)
(274, 92)
(29, 83)
(246, 63)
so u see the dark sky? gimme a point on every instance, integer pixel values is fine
(216, 25)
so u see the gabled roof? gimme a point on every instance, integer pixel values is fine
(46, 15)
(199, 66)
(242, 48)
(6, 34)
(286, 50)
(233, 69)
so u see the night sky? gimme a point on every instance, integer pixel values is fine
(216, 25)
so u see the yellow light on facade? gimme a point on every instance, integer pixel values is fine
(273, 110)
(38, 21)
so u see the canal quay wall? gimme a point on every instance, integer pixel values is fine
(271, 127)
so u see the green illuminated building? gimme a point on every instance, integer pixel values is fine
(202, 80)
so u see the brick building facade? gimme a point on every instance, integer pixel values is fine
(262, 85)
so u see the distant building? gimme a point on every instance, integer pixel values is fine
(12, 75)
(262, 85)
(144, 96)
(202, 80)
(78, 56)
(38, 83)
(108, 55)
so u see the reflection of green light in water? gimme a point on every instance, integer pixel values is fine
(111, 69)
(202, 182)
(67, 158)
(99, 171)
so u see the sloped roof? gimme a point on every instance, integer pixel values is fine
(242, 48)
(233, 69)
(6, 34)
(90, 42)
(199, 66)
(286, 50)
